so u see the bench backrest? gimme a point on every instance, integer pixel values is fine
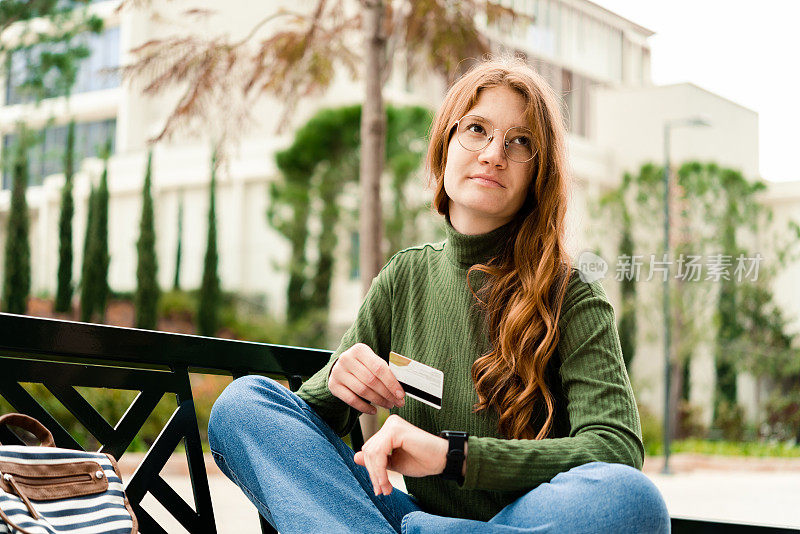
(62, 355)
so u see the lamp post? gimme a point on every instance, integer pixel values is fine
(700, 120)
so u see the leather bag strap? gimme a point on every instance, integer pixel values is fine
(11, 525)
(30, 424)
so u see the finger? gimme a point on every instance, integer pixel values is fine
(377, 452)
(378, 367)
(368, 463)
(354, 384)
(366, 373)
(351, 399)
(379, 466)
(359, 458)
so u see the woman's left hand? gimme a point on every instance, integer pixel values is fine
(402, 447)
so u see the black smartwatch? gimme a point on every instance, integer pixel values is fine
(456, 442)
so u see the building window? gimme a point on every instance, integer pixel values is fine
(575, 89)
(91, 76)
(47, 156)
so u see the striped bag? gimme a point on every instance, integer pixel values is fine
(46, 490)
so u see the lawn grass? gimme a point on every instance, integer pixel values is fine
(730, 448)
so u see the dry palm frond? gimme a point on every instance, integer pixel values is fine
(220, 78)
(292, 66)
(202, 66)
(134, 4)
(441, 33)
(301, 61)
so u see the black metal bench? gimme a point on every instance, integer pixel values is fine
(62, 355)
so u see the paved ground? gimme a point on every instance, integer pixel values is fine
(745, 490)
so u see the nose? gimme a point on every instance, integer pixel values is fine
(494, 153)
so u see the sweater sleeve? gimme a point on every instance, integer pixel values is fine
(603, 417)
(373, 328)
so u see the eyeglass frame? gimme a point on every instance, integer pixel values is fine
(491, 137)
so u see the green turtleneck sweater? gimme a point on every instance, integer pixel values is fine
(419, 306)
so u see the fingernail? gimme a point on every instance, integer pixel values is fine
(398, 394)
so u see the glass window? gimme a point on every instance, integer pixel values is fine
(103, 54)
(575, 89)
(551, 73)
(47, 156)
(615, 54)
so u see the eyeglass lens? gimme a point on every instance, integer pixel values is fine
(475, 133)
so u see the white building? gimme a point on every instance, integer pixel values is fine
(598, 60)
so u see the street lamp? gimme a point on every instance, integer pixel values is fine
(698, 120)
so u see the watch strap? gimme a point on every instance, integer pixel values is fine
(456, 443)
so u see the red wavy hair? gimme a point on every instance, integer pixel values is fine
(527, 280)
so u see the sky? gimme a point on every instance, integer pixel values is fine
(747, 52)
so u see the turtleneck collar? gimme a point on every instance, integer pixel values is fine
(465, 251)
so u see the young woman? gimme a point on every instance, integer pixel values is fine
(541, 431)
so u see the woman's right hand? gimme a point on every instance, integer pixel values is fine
(359, 375)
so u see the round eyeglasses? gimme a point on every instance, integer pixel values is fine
(475, 133)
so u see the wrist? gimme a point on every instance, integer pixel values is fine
(443, 446)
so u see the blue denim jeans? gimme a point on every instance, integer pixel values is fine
(302, 478)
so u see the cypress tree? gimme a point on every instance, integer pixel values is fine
(17, 275)
(100, 256)
(64, 292)
(627, 321)
(87, 300)
(728, 329)
(147, 290)
(176, 284)
(208, 312)
(94, 278)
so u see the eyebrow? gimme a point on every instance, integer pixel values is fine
(489, 120)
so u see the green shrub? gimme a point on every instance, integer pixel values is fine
(261, 330)
(109, 403)
(205, 390)
(178, 305)
(761, 449)
(730, 421)
(690, 421)
(783, 416)
(652, 432)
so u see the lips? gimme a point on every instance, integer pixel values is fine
(487, 180)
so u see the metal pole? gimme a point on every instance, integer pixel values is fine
(667, 334)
